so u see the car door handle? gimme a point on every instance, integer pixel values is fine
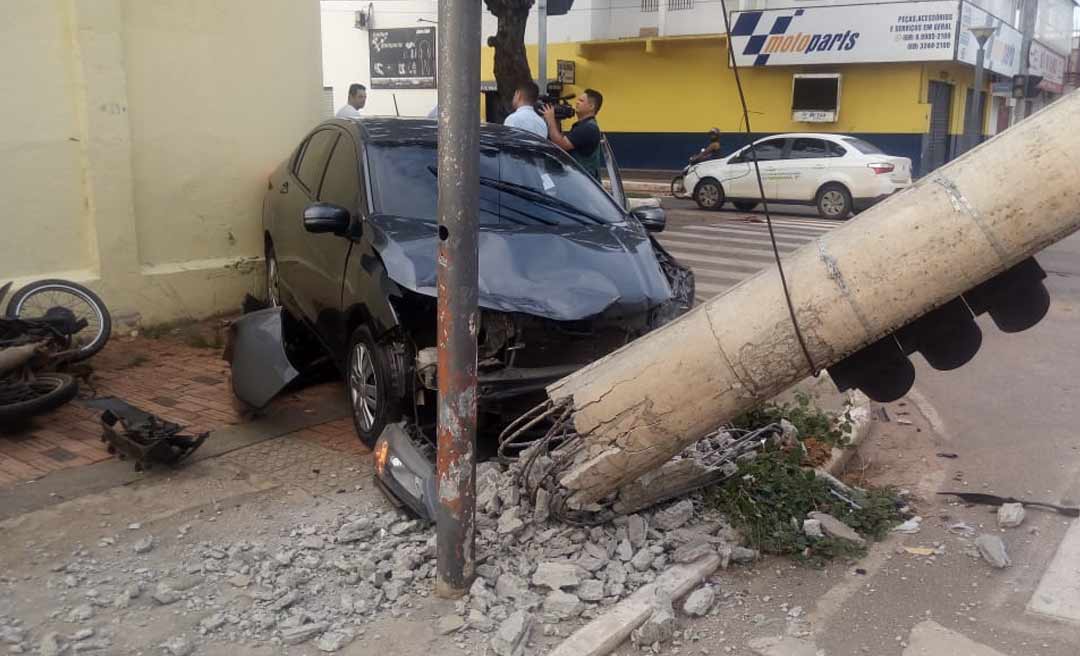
(285, 187)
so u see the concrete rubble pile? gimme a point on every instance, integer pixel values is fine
(325, 583)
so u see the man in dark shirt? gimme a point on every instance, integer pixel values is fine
(583, 140)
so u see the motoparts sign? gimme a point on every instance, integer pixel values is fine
(890, 32)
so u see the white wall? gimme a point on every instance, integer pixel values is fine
(345, 52)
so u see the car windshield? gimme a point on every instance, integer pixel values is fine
(519, 186)
(864, 147)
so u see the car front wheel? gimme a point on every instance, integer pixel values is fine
(709, 195)
(834, 202)
(273, 277)
(369, 386)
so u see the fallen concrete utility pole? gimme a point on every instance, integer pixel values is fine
(914, 254)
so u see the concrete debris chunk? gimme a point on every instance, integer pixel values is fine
(591, 590)
(700, 601)
(312, 542)
(910, 527)
(510, 522)
(556, 576)
(674, 517)
(744, 555)
(144, 545)
(513, 634)
(992, 549)
(625, 551)
(303, 633)
(660, 627)
(689, 553)
(1011, 515)
(559, 605)
(332, 641)
(356, 531)
(92, 646)
(812, 529)
(636, 531)
(82, 634)
(642, 560)
(212, 623)
(178, 646)
(616, 573)
(450, 624)
(482, 623)
(165, 595)
(542, 508)
(835, 528)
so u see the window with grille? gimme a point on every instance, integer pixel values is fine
(676, 5)
(650, 5)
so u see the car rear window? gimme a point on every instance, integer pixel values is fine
(405, 184)
(864, 147)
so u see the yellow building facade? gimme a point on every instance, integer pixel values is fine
(137, 140)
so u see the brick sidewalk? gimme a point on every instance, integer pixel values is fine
(183, 384)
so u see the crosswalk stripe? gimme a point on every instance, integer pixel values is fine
(763, 249)
(738, 238)
(703, 263)
(757, 228)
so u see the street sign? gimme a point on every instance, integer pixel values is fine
(567, 71)
(402, 58)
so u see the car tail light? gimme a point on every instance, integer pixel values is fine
(880, 168)
(382, 450)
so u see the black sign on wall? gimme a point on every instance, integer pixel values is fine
(402, 58)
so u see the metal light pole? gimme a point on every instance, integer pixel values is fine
(541, 48)
(458, 314)
(973, 128)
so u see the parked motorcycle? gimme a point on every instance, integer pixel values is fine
(48, 325)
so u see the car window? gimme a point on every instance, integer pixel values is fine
(312, 162)
(835, 149)
(864, 147)
(768, 150)
(341, 184)
(805, 148)
(405, 183)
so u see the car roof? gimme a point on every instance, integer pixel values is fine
(832, 136)
(393, 130)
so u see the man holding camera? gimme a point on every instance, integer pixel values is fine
(524, 116)
(583, 140)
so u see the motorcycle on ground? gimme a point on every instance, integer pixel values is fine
(48, 325)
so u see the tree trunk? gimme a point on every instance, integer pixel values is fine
(511, 65)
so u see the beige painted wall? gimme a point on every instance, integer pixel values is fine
(137, 139)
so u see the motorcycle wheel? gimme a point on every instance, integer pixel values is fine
(20, 400)
(36, 299)
(678, 189)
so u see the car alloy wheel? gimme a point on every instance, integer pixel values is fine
(833, 202)
(709, 196)
(363, 386)
(273, 296)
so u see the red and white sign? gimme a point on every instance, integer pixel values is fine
(1049, 65)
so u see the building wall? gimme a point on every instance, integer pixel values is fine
(345, 53)
(661, 99)
(139, 135)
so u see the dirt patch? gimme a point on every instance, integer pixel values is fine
(817, 452)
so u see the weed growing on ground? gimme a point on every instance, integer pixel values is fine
(772, 495)
(810, 420)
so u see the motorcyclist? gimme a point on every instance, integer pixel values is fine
(711, 149)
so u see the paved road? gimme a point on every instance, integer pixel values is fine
(1011, 417)
(726, 247)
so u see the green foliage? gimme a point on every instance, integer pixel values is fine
(772, 495)
(806, 416)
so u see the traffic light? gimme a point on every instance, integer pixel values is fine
(947, 337)
(559, 7)
(1026, 86)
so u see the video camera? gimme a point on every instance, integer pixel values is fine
(554, 97)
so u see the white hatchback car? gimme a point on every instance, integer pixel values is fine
(837, 173)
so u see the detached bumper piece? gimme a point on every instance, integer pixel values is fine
(256, 354)
(131, 433)
(404, 471)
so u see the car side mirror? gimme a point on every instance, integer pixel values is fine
(653, 219)
(327, 217)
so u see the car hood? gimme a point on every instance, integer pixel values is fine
(564, 273)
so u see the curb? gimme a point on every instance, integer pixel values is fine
(658, 188)
(862, 422)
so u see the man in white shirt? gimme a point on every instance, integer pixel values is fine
(357, 100)
(525, 116)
